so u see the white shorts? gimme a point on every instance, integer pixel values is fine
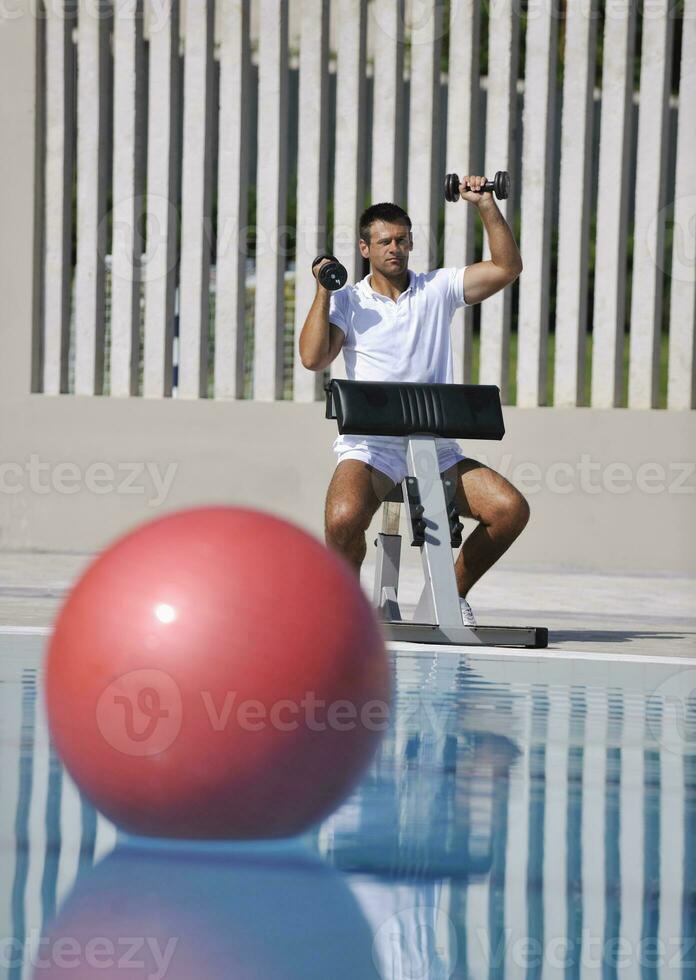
(388, 453)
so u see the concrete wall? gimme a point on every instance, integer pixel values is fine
(609, 489)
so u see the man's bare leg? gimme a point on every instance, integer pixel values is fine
(502, 513)
(354, 495)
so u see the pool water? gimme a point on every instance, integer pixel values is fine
(526, 816)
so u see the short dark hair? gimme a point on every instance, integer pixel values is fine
(389, 213)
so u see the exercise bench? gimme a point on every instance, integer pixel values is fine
(421, 413)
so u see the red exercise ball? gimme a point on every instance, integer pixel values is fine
(217, 673)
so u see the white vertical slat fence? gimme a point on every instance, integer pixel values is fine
(538, 133)
(58, 169)
(313, 174)
(271, 180)
(424, 182)
(233, 187)
(649, 216)
(503, 53)
(574, 208)
(128, 161)
(681, 390)
(159, 263)
(350, 176)
(93, 79)
(388, 170)
(353, 39)
(612, 205)
(195, 200)
(462, 138)
(349, 185)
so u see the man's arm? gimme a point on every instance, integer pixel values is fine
(320, 341)
(483, 279)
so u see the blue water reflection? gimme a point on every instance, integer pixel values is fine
(523, 818)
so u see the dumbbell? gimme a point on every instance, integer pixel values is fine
(500, 186)
(332, 275)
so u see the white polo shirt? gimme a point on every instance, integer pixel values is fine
(403, 340)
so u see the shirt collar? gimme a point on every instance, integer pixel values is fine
(368, 290)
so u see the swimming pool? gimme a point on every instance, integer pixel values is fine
(526, 816)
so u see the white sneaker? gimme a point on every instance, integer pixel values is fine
(467, 614)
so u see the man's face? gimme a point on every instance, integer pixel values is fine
(388, 248)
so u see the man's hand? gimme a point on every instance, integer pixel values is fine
(469, 190)
(315, 273)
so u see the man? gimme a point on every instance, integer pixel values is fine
(394, 325)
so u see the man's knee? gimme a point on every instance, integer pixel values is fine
(517, 509)
(509, 508)
(522, 510)
(344, 520)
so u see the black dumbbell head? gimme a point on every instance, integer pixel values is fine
(324, 255)
(332, 275)
(452, 187)
(501, 185)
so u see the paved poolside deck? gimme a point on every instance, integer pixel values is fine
(585, 612)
